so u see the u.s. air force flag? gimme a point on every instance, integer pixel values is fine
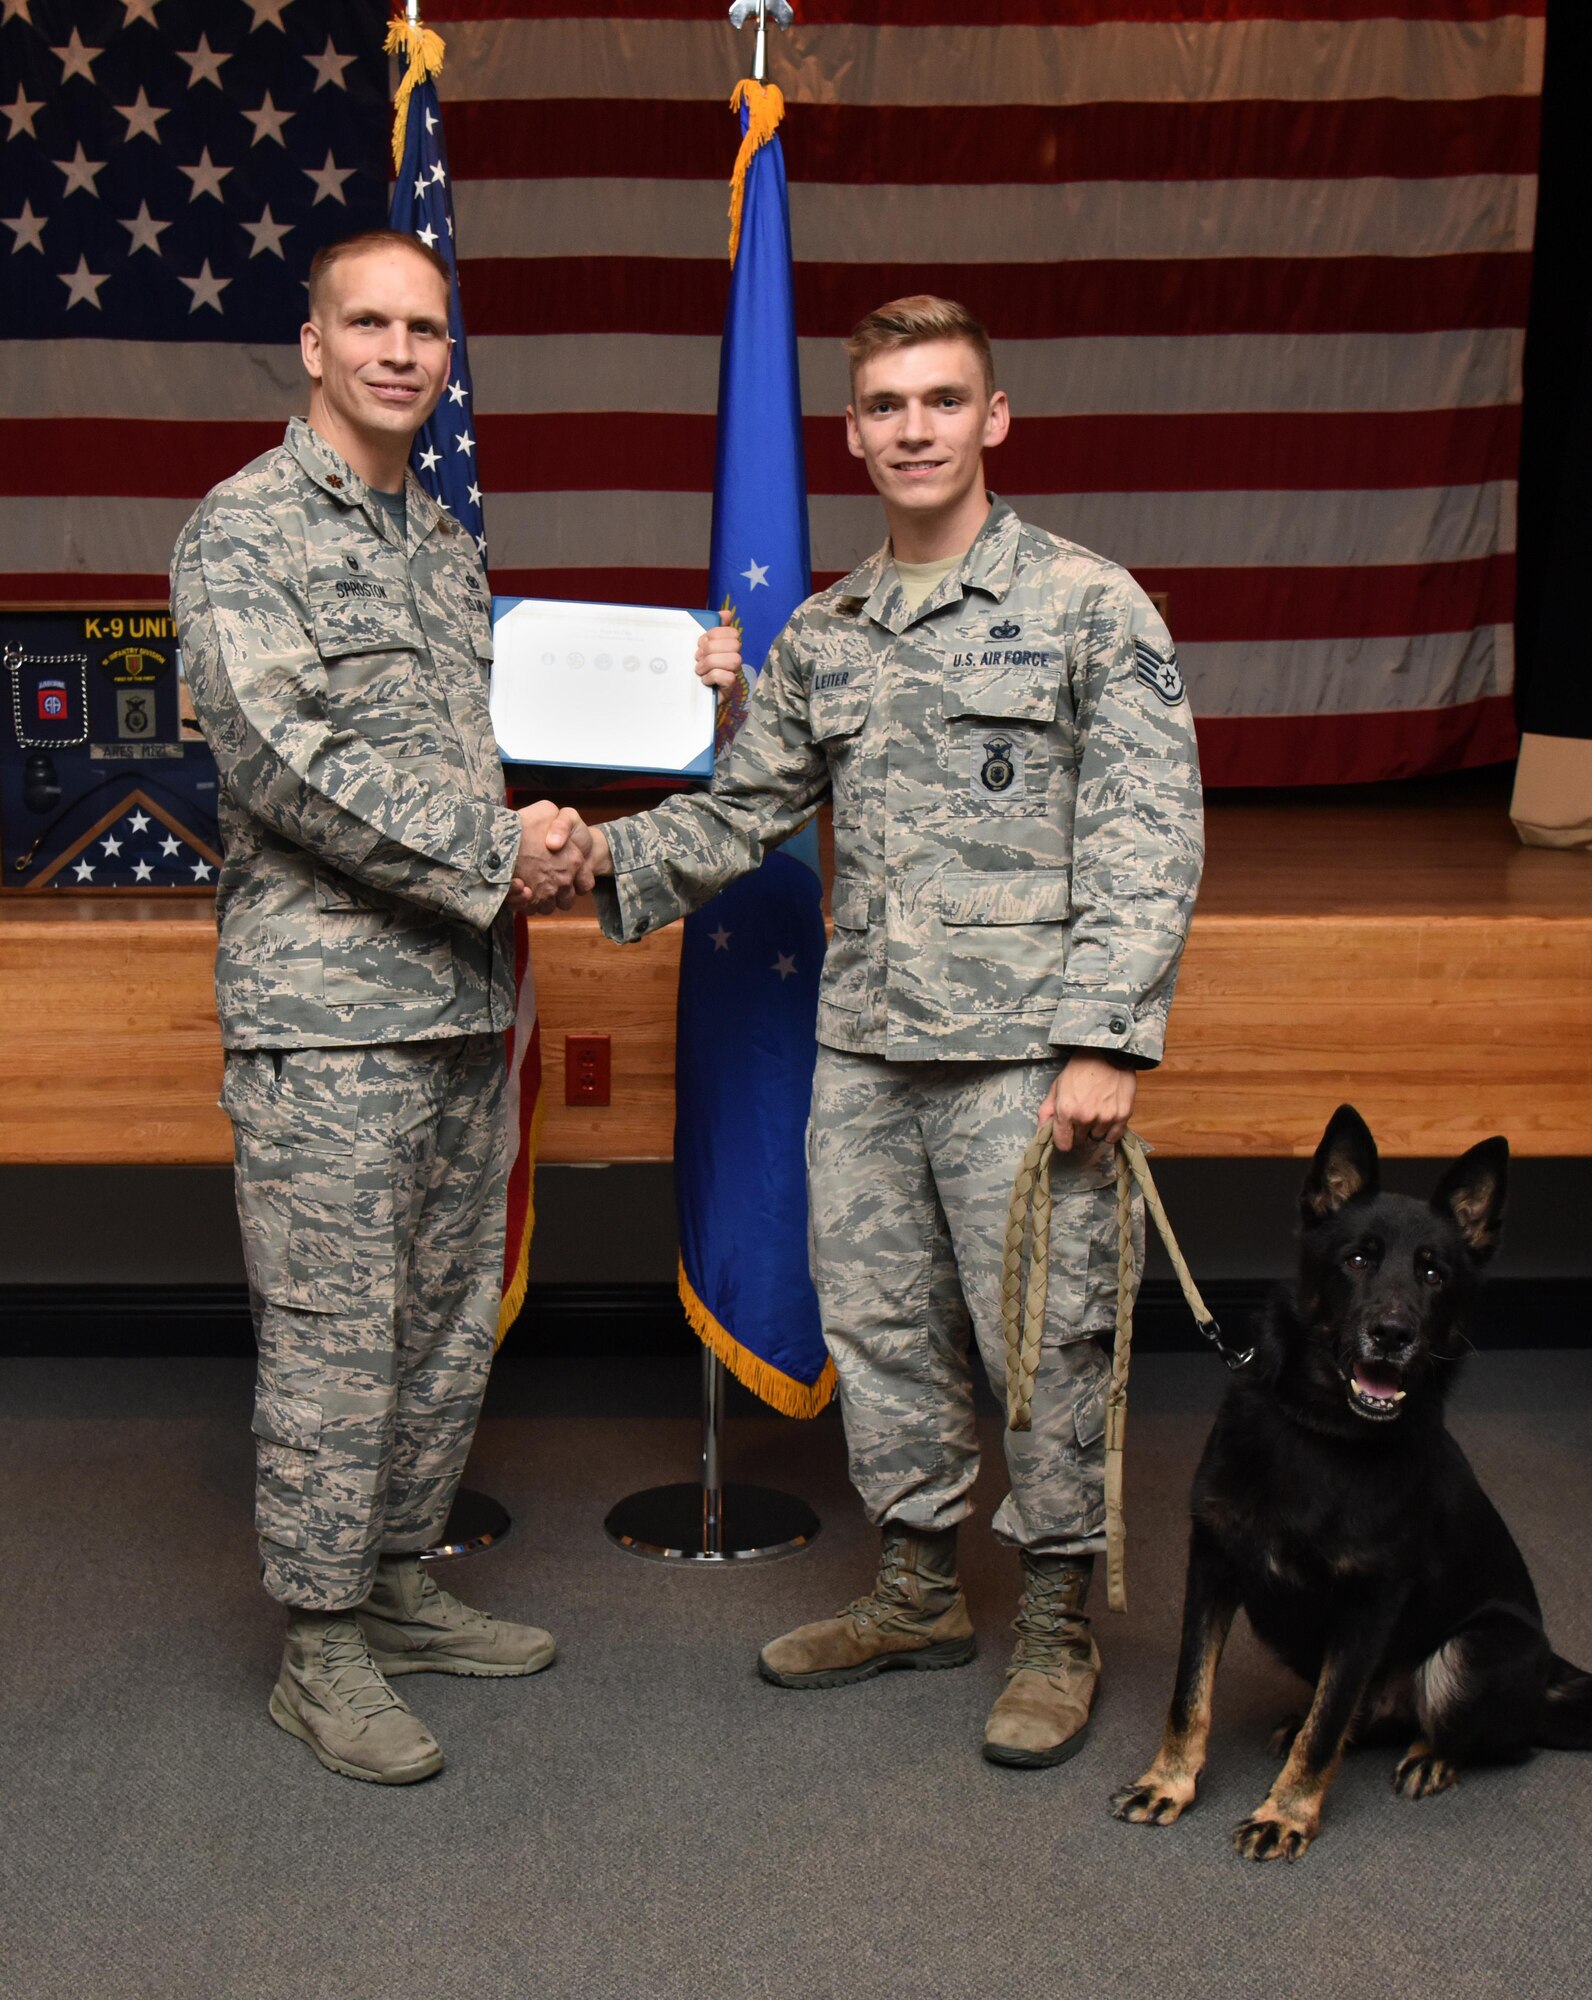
(750, 960)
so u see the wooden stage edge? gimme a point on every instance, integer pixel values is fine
(1412, 958)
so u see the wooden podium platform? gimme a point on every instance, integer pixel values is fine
(1410, 957)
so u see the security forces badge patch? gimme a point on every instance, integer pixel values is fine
(1160, 673)
(1001, 772)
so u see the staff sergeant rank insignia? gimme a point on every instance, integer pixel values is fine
(1000, 767)
(1162, 677)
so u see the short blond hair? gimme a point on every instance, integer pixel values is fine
(332, 254)
(910, 322)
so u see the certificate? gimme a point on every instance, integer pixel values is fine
(601, 687)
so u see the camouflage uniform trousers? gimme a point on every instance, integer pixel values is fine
(910, 1171)
(371, 1185)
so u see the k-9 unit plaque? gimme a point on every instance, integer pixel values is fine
(105, 782)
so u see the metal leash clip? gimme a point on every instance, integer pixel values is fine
(1232, 1357)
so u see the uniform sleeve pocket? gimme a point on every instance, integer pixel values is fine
(849, 906)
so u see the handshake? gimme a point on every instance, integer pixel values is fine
(561, 856)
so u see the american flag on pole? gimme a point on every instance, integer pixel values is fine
(1257, 272)
(422, 204)
(444, 461)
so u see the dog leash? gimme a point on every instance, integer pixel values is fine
(1023, 1313)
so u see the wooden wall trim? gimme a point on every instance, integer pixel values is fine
(1454, 1001)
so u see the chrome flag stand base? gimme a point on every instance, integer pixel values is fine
(707, 1521)
(475, 1521)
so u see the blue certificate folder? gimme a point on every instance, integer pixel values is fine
(609, 688)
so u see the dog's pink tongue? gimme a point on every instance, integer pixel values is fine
(1372, 1378)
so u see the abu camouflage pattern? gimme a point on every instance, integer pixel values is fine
(363, 978)
(910, 1170)
(340, 679)
(371, 1194)
(1018, 831)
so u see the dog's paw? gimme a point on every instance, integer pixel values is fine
(1155, 1800)
(1281, 1740)
(1421, 1773)
(1270, 1834)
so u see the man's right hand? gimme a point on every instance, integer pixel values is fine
(553, 865)
(718, 654)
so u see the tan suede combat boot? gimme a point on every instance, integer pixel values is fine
(1044, 1713)
(915, 1616)
(412, 1627)
(330, 1696)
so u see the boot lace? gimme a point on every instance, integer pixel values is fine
(890, 1600)
(460, 1616)
(1052, 1634)
(351, 1674)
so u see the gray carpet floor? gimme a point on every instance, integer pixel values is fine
(648, 1818)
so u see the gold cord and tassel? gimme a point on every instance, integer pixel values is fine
(765, 107)
(423, 49)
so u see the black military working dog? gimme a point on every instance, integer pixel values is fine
(1332, 1504)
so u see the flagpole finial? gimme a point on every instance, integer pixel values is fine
(743, 11)
(412, 10)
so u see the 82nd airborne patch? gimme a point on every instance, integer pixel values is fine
(1160, 674)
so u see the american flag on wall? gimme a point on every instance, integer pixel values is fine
(1257, 271)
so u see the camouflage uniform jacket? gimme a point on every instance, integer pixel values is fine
(1018, 833)
(341, 681)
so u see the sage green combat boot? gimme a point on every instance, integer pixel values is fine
(330, 1695)
(915, 1616)
(1050, 1685)
(414, 1628)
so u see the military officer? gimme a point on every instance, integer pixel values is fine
(998, 717)
(336, 631)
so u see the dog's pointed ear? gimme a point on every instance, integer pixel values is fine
(1472, 1193)
(1345, 1166)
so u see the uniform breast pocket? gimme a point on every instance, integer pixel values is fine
(836, 716)
(1004, 940)
(371, 647)
(356, 615)
(1000, 738)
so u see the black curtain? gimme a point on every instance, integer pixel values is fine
(1553, 608)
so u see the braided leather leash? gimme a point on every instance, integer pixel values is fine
(1023, 1314)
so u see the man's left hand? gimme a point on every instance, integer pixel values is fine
(1090, 1103)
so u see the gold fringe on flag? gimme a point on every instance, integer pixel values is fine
(519, 1284)
(423, 47)
(781, 1391)
(765, 104)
